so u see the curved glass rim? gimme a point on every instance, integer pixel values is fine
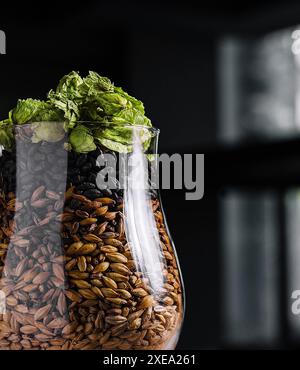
(101, 124)
(108, 124)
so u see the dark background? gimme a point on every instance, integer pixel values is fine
(165, 53)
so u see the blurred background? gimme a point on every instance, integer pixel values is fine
(219, 78)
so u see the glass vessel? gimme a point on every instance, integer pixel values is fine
(86, 259)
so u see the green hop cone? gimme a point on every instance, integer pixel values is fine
(82, 140)
(47, 131)
(89, 108)
(6, 135)
(32, 110)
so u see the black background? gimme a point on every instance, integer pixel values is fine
(164, 53)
